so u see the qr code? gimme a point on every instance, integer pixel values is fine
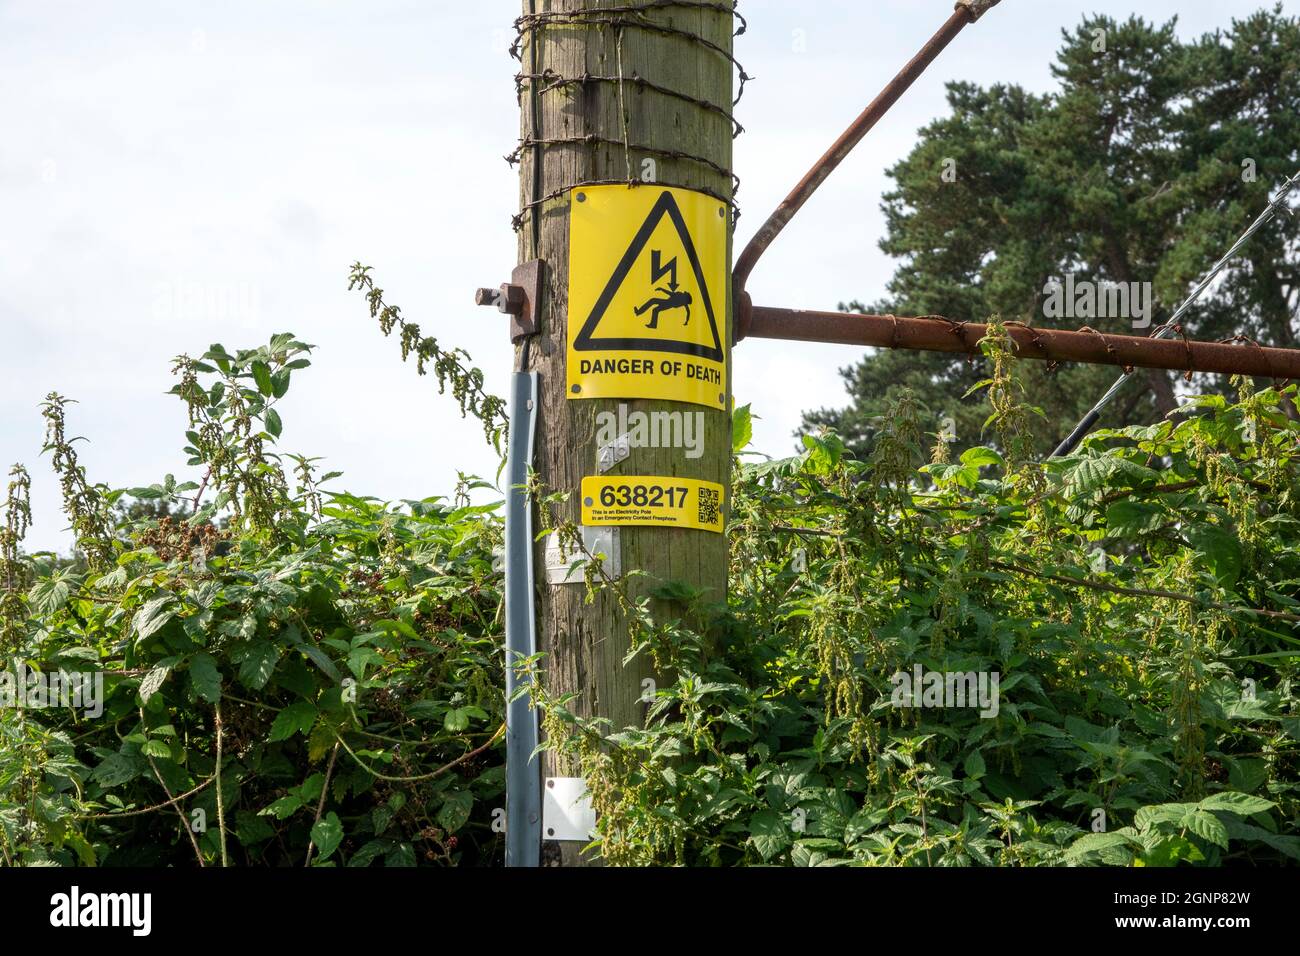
(709, 504)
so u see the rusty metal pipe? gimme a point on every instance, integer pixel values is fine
(935, 334)
(968, 11)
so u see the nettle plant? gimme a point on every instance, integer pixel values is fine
(295, 675)
(1138, 601)
(291, 675)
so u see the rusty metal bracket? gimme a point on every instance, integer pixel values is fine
(965, 13)
(519, 298)
(976, 8)
(934, 333)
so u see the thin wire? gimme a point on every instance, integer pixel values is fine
(622, 107)
(1169, 328)
(616, 16)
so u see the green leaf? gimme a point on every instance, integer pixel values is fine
(742, 428)
(258, 665)
(205, 676)
(974, 765)
(251, 828)
(359, 657)
(116, 769)
(1247, 774)
(1242, 804)
(1092, 474)
(370, 852)
(1288, 846)
(402, 854)
(1171, 851)
(320, 741)
(1151, 816)
(152, 682)
(294, 719)
(154, 615)
(769, 833)
(327, 834)
(1095, 843)
(321, 660)
(1206, 826)
(156, 748)
(1126, 518)
(284, 807)
(1221, 549)
(455, 810)
(47, 597)
(262, 376)
(981, 456)
(273, 423)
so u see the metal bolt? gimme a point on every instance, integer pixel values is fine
(516, 297)
(509, 298)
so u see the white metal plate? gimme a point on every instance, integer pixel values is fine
(567, 813)
(610, 455)
(596, 541)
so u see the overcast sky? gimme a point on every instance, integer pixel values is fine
(177, 173)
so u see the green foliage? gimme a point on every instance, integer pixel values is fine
(322, 684)
(1146, 688)
(231, 401)
(86, 505)
(13, 571)
(320, 681)
(450, 367)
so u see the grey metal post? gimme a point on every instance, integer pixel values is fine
(523, 769)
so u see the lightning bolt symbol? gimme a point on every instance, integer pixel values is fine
(657, 271)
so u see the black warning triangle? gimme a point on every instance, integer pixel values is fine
(588, 341)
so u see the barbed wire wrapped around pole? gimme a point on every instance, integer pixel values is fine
(1172, 327)
(619, 18)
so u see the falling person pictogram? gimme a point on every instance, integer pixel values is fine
(671, 300)
(672, 297)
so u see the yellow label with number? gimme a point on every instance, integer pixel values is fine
(648, 287)
(652, 500)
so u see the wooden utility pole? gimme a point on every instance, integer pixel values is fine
(617, 92)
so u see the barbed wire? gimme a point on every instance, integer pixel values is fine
(594, 139)
(554, 81)
(633, 16)
(518, 220)
(620, 18)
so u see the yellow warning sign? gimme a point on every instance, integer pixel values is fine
(648, 294)
(641, 500)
